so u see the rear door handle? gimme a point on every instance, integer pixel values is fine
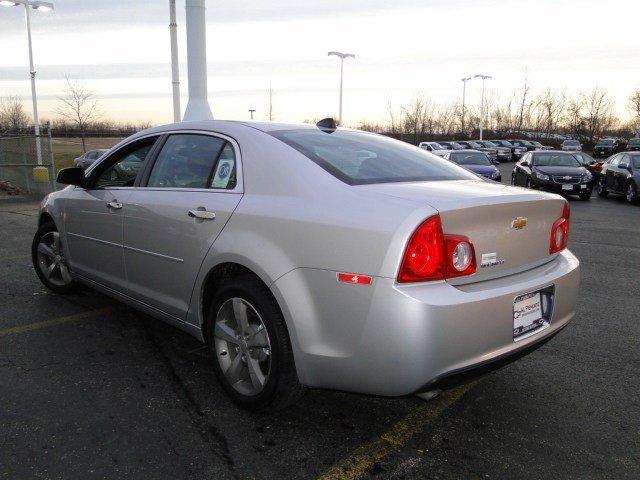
(114, 205)
(201, 213)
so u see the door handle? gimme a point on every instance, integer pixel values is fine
(201, 213)
(114, 205)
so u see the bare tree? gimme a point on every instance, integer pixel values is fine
(634, 109)
(79, 107)
(270, 114)
(598, 112)
(12, 114)
(417, 117)
(526, 89)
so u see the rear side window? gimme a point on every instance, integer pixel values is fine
(194, 161)
(359, 158)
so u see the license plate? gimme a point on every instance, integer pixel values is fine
(527, 314)
(567, 187)
(583, 186)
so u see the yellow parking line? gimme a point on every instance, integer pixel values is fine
(49, 323)
(366, 456)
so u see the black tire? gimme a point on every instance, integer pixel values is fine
(631, 193)
(47, 228)
(282, 387)
(585, 196)
(602, 192)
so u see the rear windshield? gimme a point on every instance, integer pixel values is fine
(572, 143)
(555, 160)
(469, 158)
(634, 141)
(359, 158)
(605, 142)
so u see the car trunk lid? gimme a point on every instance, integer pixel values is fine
(509, 227)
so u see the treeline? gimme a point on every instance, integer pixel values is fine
(550, 116)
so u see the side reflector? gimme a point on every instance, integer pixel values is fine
(355, 278)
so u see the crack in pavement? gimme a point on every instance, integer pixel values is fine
(210, 434)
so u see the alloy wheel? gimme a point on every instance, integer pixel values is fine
(242, 346)
(51, 260)
(631, 193)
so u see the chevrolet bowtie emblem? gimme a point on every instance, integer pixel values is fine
(519, 223)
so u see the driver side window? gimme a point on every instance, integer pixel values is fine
(127, 164)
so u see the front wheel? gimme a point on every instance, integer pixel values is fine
(602, 192)
(250, 344)
(632, 193)
(49, 259)
(585, 195)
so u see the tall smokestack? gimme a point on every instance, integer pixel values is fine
(197, 106)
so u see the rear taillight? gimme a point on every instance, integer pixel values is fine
(432, 255)
(560, 231)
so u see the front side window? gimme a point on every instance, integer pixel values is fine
(359, 158)
(555, 160)
(127, 164)
(635, 159)
(193, 161)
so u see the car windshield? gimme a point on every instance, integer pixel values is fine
(606, 142)
(469, 158)
(526, 143)
(584, 158)
(635, 159)
(634, 142)
(437, 146)
(555, 160)
(537, 144)
(487, 143)
(571, 143)
(359, 158)
(503, 143)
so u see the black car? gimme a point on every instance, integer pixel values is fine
(524, 143)
(516, 151)
(554, 171)
(621, 175)
(605, 147)
(633, 145)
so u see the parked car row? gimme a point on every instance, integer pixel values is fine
(500, 150)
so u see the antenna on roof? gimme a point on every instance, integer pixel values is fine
(328, 123)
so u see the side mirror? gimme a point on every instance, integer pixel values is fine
(71, 176)
(495, 162)
(624, 166)
(525, 164)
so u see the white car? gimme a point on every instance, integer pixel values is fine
(434, 147)
(571, 146)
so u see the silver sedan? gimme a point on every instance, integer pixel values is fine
(309, 256)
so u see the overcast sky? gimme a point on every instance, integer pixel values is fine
(121, 50)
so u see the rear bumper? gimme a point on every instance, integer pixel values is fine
(392, 339)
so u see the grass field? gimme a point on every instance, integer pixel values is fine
(66, 149)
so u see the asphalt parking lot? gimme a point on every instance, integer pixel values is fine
(90, 389)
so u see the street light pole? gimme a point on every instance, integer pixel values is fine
(175, 68)
(252, 111)
(46, 7)
(483, 77)
(342, 56)
(464, 84)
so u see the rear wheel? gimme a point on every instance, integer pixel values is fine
(47, 255)
(602, 192)
(249, 340)
(632, 193)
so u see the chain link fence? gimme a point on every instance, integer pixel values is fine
(27, 164)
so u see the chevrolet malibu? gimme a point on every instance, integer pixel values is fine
(314, 257)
